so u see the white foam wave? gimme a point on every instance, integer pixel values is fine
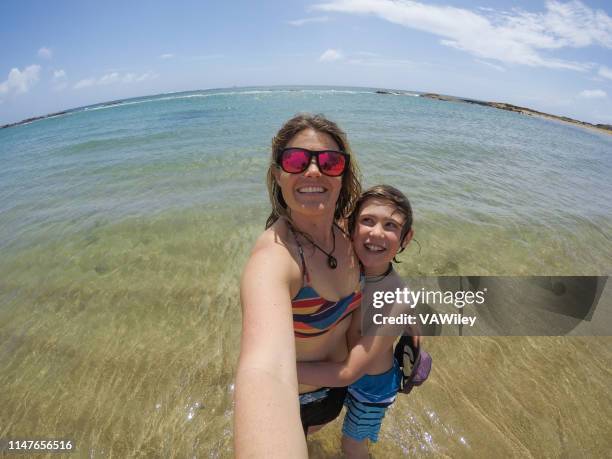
(225, 93)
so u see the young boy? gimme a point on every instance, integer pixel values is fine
(381, 227)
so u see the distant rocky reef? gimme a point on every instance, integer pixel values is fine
(522, 110)
(36, 118)
(64, 112)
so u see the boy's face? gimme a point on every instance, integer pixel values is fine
(376, 238)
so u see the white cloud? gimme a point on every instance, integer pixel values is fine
(593, 94)
(114, 78)
(128, 78)
(515, 37)
(146, 76)
(85, 83)
(20, 81)
(59, 80)
(499, 68)
(301, 22)
(166, 56)
(109, 78)
(372, 61)
(132, 77)
(365, 58)
(605, 72)
(45, 53)
(331, 55)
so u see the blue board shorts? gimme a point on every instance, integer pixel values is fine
(367, 401)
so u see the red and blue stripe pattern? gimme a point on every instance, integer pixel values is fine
(314, 315)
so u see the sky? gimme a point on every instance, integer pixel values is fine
(554, 56)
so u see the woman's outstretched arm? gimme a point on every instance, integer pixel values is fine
(267, 414)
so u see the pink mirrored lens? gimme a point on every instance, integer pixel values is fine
(295, 161)
(332, 163)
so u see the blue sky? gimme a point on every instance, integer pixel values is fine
(554, 56)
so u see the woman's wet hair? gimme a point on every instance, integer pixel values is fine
(388, 194)
(351, 187)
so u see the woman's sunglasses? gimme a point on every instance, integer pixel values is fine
(296, 160)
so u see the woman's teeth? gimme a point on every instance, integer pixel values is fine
(311, 189)
(374, 248)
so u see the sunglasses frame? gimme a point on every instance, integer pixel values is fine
(347, 158)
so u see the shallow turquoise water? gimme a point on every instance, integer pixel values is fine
(497, 175)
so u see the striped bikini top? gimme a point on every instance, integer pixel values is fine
(313, 315)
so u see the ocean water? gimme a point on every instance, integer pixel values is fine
(124, 229)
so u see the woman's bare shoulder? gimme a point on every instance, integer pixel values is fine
(273, 240)
(273, 253)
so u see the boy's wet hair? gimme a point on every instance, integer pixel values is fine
(394, 197)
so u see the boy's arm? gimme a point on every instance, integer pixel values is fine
(364, 350)
(331, 374)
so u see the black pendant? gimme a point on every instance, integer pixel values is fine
(332, 262)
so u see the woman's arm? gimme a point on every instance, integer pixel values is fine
(267, 415)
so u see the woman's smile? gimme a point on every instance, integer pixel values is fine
(311, 189)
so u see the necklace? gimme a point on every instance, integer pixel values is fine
(374, 279)
(331, 260)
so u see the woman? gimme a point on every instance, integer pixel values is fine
(299, 285)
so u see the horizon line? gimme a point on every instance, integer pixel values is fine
(66, 111)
